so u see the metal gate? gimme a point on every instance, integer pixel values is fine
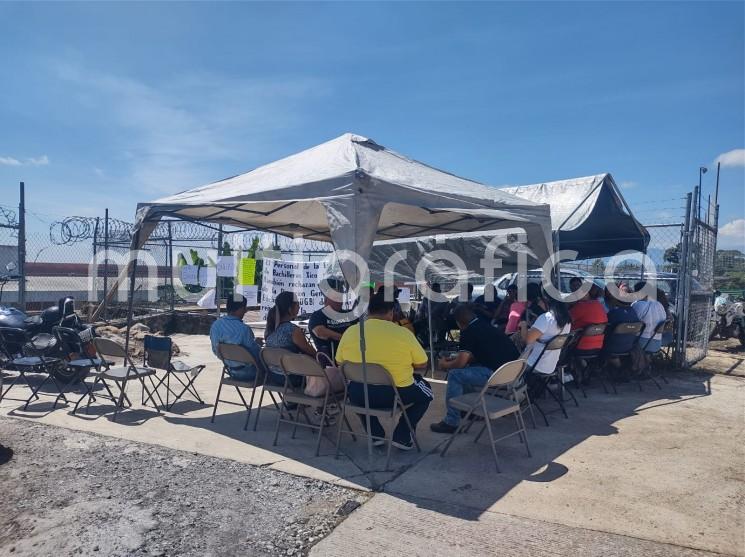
(696, 280)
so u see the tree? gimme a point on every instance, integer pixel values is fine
(598, 267)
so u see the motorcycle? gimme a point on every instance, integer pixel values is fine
(729, 318)
(39, 330)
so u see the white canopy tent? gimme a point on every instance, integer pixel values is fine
(349, 191)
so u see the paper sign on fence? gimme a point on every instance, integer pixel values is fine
(190, 274)
(251, 292)
(207, 277)
(404, 295)
(247, 271)
(226, 266)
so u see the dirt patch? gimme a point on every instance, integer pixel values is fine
(68, 492)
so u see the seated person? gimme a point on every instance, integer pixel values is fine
(536, 303)
(502, 313)
(555, 321)
(483, 349)
(575, 283)
(439, 314)
(230, 329)
(651, 313)
(327, 324)
(397, 350)
(280, 332)
(584, 312)
(486, 305)
(620, 312)
(454, 303)
(399, 317)
(517, 308)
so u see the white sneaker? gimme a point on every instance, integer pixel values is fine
(378, 442)
(568, 378)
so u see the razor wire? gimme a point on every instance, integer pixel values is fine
(76, 229)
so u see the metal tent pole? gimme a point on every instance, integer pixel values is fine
(217, 278)
(431, 342)
(22, 247)
(130, 305)
(105, 262)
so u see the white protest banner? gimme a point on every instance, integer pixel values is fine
(190, 274)
(300, 277)
(251, 292)
(226, 266)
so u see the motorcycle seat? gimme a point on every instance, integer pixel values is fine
(87, 362)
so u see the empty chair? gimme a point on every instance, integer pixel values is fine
(23, 356)
(490, 407)
(158, 354)
(120, 375)
(374, 375)
(237, 353)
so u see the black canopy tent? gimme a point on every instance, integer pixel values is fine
(588, 215)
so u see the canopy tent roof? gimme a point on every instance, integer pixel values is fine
(590, 215)
(352, 191)
(507, 246)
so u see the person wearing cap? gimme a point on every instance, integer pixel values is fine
(230, 329)
(327, 324)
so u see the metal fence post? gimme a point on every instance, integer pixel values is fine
(105, 263)
(22, 247)
(169, 258)
(218, 282)
(681, 302)
(94, 278)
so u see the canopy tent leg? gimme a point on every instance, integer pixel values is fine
(130, 302)
(431, 342)
(364, 387)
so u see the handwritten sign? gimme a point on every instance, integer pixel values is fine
(404, 296)
(207, 277)
(226, 266)
(190, 274)
(247, 271)
(251, 292)
(300, 277)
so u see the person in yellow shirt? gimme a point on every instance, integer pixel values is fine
(397, 350)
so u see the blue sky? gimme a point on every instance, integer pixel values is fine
(104, 105)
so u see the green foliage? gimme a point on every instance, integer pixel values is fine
(729, 270)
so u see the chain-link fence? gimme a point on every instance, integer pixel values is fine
(11, 253)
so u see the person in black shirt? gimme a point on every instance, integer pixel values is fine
(483, 349)
(327, 324)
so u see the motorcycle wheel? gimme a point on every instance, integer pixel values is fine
(741, 334)
(66, 376)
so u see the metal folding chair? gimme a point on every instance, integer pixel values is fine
(120, 375)
(622, 329)
(304, 366)
(22, 356)
(82, 365)
(543, 380)
(646, 371)
(157, 354)
(271, 358)
(376, 375)
(491, 407)
(237, 353)
(587, 357)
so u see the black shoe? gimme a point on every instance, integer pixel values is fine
(442, 427)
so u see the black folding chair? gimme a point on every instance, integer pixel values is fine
(238, 353)
(120, 375)
(646, 370)
(158, 354)
(83, 364)
(587, 359)
(625, 331)
(25, 355)
(541, 381)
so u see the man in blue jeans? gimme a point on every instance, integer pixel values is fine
(230, 329)
(482, 350)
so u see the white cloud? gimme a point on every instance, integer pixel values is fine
(10, 161)
(735, 157)
(627, 185)
(732, 235)
(170, 140)
(33, 161)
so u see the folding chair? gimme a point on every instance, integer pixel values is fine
(237, 353)
(271, 358)
(543, 380)
(304, 366)
(157, 354)
(73, 343)
(119, 375)
(622, 329)
(24, 357)
(647, 354)
(376, 375)
(491, 407)
(587, 358)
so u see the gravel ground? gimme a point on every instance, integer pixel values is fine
(66, 492)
